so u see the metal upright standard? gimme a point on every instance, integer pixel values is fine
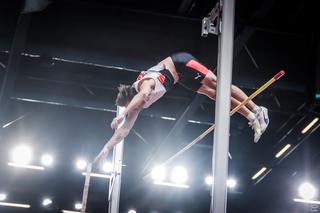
(224, 28)
(115, 181)
(222, 118)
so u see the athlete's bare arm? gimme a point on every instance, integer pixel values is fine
(119, 134)
(131, 114)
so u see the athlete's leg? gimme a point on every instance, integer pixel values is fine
(259, 125)
(211, 93)
(260, 112)
(253, 122)
(211, 81)
(196, 77)
(241, 96)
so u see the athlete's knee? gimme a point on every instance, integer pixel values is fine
(234, 88)
(210, 79)
(208, 91)
(212, 94)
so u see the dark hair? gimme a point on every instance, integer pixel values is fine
(125, 94)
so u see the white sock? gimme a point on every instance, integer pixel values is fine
(251, 116)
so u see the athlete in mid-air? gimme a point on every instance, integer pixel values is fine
(151, 85)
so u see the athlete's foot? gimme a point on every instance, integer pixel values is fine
(261, 114)
(255, 125)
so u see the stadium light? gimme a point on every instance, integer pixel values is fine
(81, 164)
(313, 122)
(231, 183)
(47, 160)
(21, 154)
(46, 202)
(209, 180)
(307, 191)
(77, 206)
(283, 150)
(107, 167)
(179, 175)
(132, 211)
(262, 170)
(159, 173)
(3, 196)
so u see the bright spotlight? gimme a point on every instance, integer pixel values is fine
(159, 173)
(209, 180)
(231, 183)
(22, 154)
(283, 150)
(3, 196)
(307, 191)
(132, 211)
(77, 206)
(260, 172)
(46, 160)
(107, 167)
(313, 122)
(179, 175)
(46, 202)
(81, 164)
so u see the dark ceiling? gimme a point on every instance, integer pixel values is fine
(61, 101)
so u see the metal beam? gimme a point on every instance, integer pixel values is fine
(222, 110)
(17, 119)
(17, 47)
(248, 31)
(93, 104)
(242, 82)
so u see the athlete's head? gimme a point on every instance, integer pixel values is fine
(125, 95)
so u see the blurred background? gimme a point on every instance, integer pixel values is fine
(61, 63)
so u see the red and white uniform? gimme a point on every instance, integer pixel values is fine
(159, 89)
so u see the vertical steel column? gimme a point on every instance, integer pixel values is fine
(222, 117)
(115, 181)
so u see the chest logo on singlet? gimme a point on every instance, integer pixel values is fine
(162, 78)
(141, 75)
(198, 76)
